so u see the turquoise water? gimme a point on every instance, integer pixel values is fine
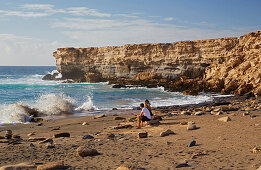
(24, 86)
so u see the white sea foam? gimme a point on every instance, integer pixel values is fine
(13, 113)
(52, 104)
(87, 105)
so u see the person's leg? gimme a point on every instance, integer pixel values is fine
(139, 120)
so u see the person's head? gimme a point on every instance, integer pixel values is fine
(147, 101)
(141, 105)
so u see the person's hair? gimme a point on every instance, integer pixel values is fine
(147, 101)
(147, 105)
(141, 105)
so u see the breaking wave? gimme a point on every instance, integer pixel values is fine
(46, 105)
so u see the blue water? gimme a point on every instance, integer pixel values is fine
(24, 85)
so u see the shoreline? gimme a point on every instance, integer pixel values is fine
(226, 145)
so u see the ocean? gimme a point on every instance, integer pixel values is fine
(23, 86)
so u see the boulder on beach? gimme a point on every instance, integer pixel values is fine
(52, 166)
(18, 166)
(128, 167)
(83, 151)
(224, 119)
(63, 134)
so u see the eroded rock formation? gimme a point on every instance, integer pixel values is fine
(229, 65)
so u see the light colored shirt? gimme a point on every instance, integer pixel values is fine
(146, 112)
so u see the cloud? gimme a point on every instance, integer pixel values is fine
(37, 6)
(110, 32)
(21, 50)
(24, 14)
(84, 11)
(169, 19)
(31, 10)
(127, 15)
(205, 24)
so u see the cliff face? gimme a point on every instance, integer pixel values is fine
(225, 64)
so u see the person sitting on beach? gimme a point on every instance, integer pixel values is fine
(147, 105)
(144, 115)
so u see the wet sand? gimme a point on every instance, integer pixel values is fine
(219, 145)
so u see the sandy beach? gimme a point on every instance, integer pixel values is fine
(219, 145)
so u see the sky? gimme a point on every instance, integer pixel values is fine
(31, 30)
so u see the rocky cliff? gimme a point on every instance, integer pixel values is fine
(229, 65)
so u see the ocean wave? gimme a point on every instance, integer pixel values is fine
(45, 105)
(14, 113)
(52, 104)
(87, 105)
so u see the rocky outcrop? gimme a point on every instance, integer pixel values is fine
(229, 65)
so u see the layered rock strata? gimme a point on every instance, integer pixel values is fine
(229, 65)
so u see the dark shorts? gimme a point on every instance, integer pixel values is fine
(144, 118)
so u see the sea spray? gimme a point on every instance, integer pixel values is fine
(14, 113)
(52, 104)
(87, 105)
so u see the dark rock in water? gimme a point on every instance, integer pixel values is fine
(114, 109)
(119, 86)
(192, 143)
(143, 135)
(87, 137)
(50, 76)
(59, 135)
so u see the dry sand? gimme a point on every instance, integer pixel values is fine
(219, 145)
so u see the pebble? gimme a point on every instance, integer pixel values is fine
(84, 151)
(246, 114)
(31, 145)
(35, 139)
(143, 134)
(191, 126)
(8, 134)
(224, 119)
(166, 133)
(49, 140)
(192, 143)
(18, 166)
(100, 116)
(122, 126)
(128, 167)
(182, 165)
(84, 123)
(199, 113)
(63, 134)
(49, 146)
(185, 113)
(87, 137)
(52, 165)
(16, 137)
(110, 136)
(119, 118)
(31, 134)
(96, 133)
